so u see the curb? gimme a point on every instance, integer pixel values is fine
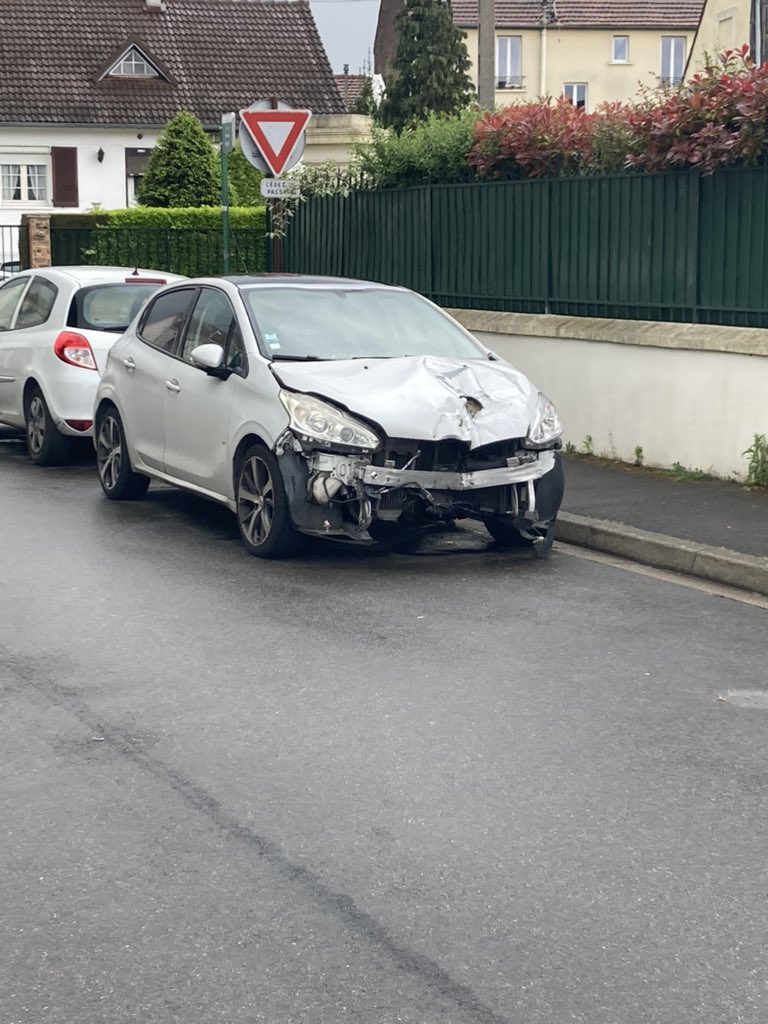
(718, 565)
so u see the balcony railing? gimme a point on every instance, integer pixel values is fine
(510, 82)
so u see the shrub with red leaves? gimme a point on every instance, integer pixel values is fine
(531, 140)
(719, 118)
(550, 139)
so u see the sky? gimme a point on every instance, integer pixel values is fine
(347, 28)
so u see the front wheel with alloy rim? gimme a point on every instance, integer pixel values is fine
(117, 479)
(262, 506)
(46, 446)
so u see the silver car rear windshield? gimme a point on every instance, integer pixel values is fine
(356, 323)
(108, 307)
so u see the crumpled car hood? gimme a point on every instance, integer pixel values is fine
(424, 397)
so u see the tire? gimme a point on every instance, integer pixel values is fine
(46, 446)
(263, 517)
(117, 479)
(507, 536)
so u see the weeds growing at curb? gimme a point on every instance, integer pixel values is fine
(757, 470)
(638, 455)
(586, 445)
(569, 448)
(681, 472)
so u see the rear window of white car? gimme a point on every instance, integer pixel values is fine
(109, 307)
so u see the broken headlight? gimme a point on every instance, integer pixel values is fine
(319, 421)
(546, 427)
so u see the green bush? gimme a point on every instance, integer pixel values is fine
(180, 217)
(434, 150)
(178, 241)
(181, 170)
(244, 180)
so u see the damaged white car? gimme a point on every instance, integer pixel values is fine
(326, 407)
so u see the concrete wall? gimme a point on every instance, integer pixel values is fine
(331, 137)
(582, 55)
(685, 393)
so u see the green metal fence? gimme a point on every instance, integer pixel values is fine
(190, 251)
(677, 247)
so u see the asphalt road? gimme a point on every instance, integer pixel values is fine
(441, 787)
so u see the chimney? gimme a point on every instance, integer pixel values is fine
(154, 5)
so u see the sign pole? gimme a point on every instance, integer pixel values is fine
(277, 221)
(227, 145)
(225, 209)
(277, 235)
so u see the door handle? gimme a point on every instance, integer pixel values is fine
(129, 364)
(173, 385)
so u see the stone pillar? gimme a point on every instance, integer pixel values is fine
(39, 229)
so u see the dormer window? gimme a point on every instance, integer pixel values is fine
(133, 64)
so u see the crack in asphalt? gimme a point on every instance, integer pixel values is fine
(342, 904)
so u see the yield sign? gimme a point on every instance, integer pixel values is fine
(276, 134)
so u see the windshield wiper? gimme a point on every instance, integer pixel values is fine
(284, 357)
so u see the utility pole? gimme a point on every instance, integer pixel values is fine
(486, 54)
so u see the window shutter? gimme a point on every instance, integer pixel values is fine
(64, 168)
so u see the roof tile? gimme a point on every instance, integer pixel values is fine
(350, 87)
(587, 13)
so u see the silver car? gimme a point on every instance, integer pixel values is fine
(56, 326)
(325, 407)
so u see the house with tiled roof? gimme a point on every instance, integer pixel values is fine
(350, 88)
(590, 51)
(87, 86)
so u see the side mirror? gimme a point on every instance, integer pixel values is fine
(207, 357)
(211, 359)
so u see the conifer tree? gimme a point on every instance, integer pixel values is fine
(181, 170)
(429, 71)
(365, 102)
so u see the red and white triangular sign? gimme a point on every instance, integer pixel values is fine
(276, 134)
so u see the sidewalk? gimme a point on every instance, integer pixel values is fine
(707, 528)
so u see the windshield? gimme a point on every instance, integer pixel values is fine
(109, 307)
(355, 323)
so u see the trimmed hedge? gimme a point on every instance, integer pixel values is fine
(178, 241)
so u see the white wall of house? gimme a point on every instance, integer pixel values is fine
(99, 183)
(684, 393)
